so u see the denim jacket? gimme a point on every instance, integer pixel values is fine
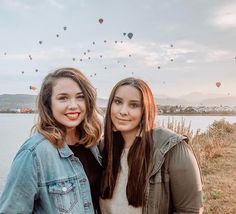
(46, 179)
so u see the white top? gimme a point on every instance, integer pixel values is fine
(119, 203)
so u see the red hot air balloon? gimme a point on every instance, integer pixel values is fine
(218, 84)
(100, 20)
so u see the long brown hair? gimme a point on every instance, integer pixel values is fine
(89, 130)
(140, 154)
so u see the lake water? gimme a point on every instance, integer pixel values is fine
(15, 129)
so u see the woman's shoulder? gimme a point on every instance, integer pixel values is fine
(36, 142)
(164, 139)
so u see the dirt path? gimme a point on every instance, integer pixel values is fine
(220, 183)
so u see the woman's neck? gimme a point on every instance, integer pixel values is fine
(71, 137)
(129, 138)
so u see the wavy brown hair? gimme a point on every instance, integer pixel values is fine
(88, 131)
(140, 153)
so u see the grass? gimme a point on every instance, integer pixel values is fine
(215, 150)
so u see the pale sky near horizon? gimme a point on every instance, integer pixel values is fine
(178, 46)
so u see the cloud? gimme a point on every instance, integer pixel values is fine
(225, 17)
(56, 4)
(11, 4)
(21, 5)
(55, 53)
(149, 53)
(218, 55)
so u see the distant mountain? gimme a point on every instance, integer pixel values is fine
(196, 99)
(224, 101)
(10, 101)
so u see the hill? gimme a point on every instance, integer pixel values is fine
(11, 101)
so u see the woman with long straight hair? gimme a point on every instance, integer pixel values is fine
(147, 170)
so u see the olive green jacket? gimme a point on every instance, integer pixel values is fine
(174, 184)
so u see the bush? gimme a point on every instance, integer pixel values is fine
(209, 144)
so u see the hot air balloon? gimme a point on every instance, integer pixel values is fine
(22, 72)
(171, 45)
(57, 35)
(130, 35)
(73, 59)
(100, 20)
(40, 42)
(159, 67)
(33, 88)
(65, 28)
(36, 70)
(124, 34)
(218, 84)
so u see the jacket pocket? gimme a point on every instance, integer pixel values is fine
(64, 195)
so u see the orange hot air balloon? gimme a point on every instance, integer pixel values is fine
(33, 88)
(100, 20)
(218, 84)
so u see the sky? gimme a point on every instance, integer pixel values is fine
(177, 46)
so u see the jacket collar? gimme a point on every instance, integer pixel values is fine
(66, 152)
(164, 140)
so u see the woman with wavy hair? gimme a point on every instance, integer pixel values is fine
(57, 170)
(147, 170)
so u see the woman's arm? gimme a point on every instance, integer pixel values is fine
(21, 185)
(185, 180)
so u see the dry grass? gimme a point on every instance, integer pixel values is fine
(215, 150)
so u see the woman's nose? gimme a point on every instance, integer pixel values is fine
(73, 104)
(123, 110)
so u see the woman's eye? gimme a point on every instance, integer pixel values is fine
(81, 97)
(63, 98)
(134, 105)
(117, 101)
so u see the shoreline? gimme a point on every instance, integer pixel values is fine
(165, 114)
